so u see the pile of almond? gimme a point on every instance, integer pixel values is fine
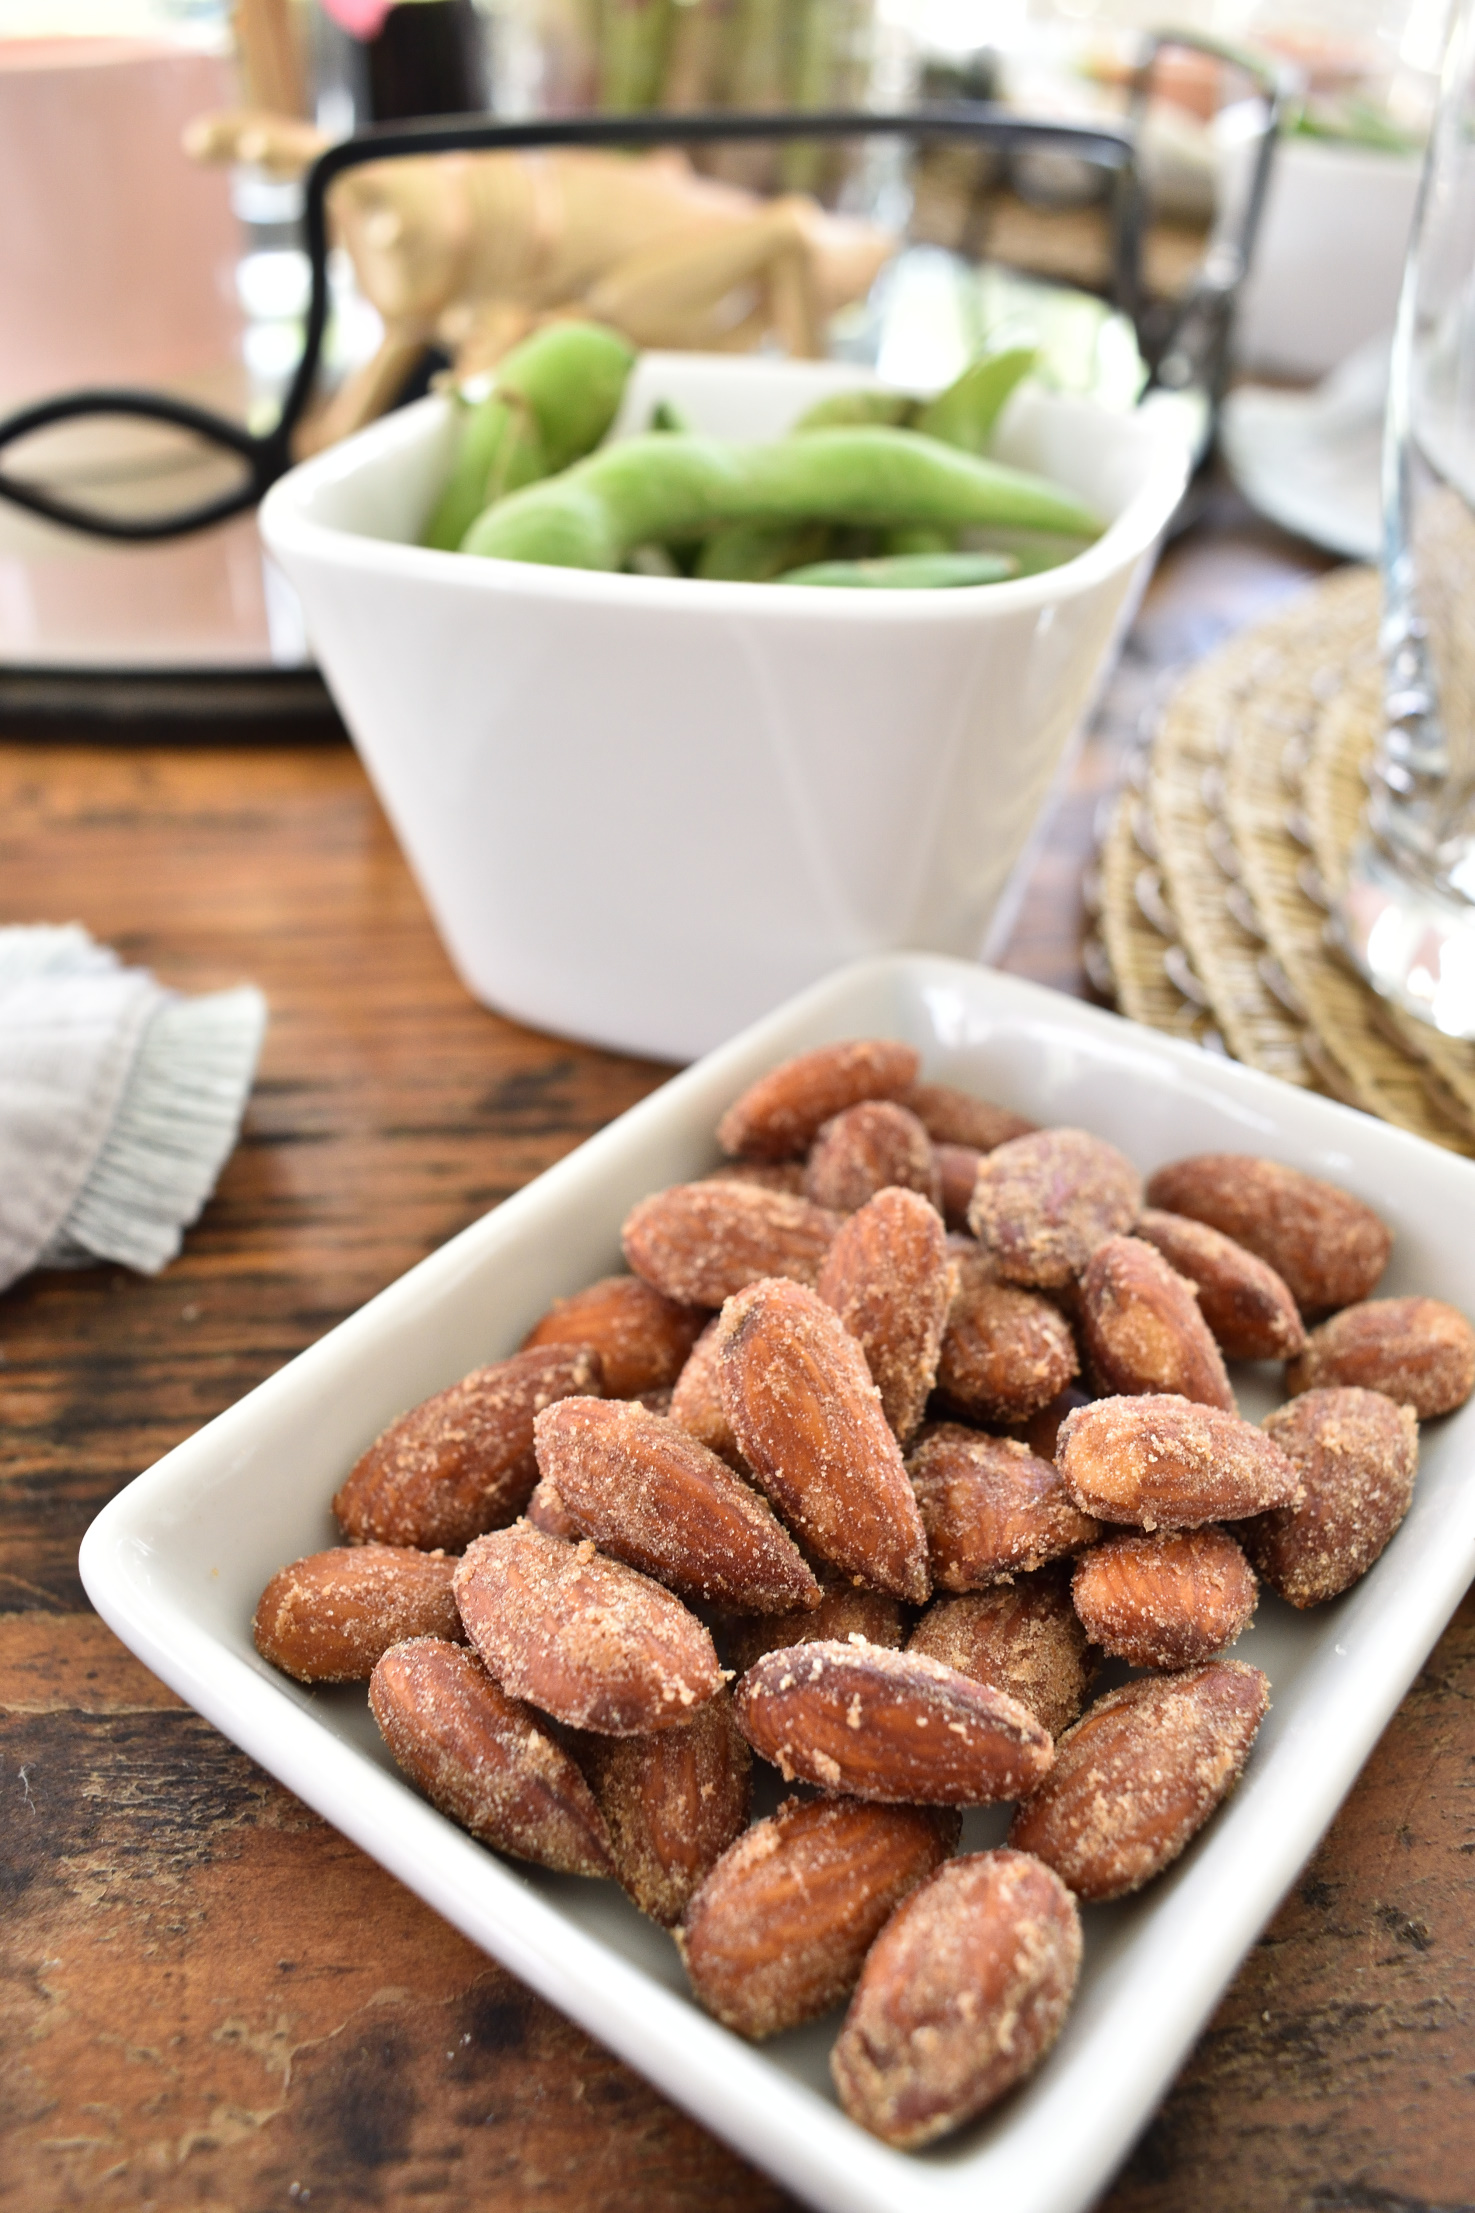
(909, 1415)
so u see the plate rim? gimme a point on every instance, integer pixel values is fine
(768, 2118)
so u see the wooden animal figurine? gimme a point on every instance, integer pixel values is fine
(470, 251)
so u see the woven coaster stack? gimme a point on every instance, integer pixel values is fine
(1226, 847)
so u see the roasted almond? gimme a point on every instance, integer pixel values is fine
(641, 1337)
(1043, 1203)
(769, 1175)
(1143, 1330)
(989, 1507)
(1139, 1774)
(963, 1993)
(782, 1113)
(1024, 1637)
(1247, 1306)
(1165, 1463)
(809, 1422)
(893, 1726)
(482, 1759)
(953, 1117)
(780, 1929)
(1356, 1455)
(1005, 1352)
(673, 1803)
(845, 1610)
(587, 1640)
(696, 1401)
(332, 1617)
(889, 1279)
(650, 1495)
(1417, 1351)
(700, 1242)
(1168, 1599)
(1327, 1247)
(461, 1462)
(867, 1149)
(957, 1172)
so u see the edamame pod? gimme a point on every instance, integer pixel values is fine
(854, 410)
(670, 486)
(965, 414)
(755, 553)
(555, 397)
(907, 572)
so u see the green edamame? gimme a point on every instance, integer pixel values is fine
(555, 397)
(907, 572)
(965, 414)
(755, 553)
(856, 410)
(670, 486)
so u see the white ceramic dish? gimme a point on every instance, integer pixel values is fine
(1313, 461)
(643, 810)
(176, 1562)
(1328, 260)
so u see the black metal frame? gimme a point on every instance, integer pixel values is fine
(269, 455)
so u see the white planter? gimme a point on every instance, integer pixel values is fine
(643, 810)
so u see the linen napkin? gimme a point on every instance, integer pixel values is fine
(119, 1102)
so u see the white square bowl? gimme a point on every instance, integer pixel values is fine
(176, 1562)
(643, 810)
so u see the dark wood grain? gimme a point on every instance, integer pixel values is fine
(209, 1999)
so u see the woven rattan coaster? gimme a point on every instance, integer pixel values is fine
(1217, 863)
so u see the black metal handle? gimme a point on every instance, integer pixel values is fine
(268, 456)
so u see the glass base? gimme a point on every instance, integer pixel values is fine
(1413, 941)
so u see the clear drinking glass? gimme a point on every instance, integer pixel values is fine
(1407, 917)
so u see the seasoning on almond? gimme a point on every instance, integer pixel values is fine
(1417, 1351)
(1161, 1462)
(1043, 1203)
(481, 1758)
(893, 1726)
(642, 1338)
(1142, 1329)
(781, 1114)
(696, 1401)
(1005, 1353)
(673, 1803)
(873, 1147)
(1356, 1454)
(462, 1462)
(889, 1278)
(954, 1117)
(1139, 1775)
(990, 1508)
(1024, 1637)
(1165, 1600)
(650, 1495)
(1326, 1246)
(781, 1927)
(332, 1617)
(963, 1994)
(701, 1242)
(587, 1640)
(809, 1422)
(1247, 1306)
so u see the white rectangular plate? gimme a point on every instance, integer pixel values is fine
(176, 1562)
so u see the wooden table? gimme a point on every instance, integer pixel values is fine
(212, 2001)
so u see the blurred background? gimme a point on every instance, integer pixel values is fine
(135, 262)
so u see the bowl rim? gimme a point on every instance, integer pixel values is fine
(292, 532)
